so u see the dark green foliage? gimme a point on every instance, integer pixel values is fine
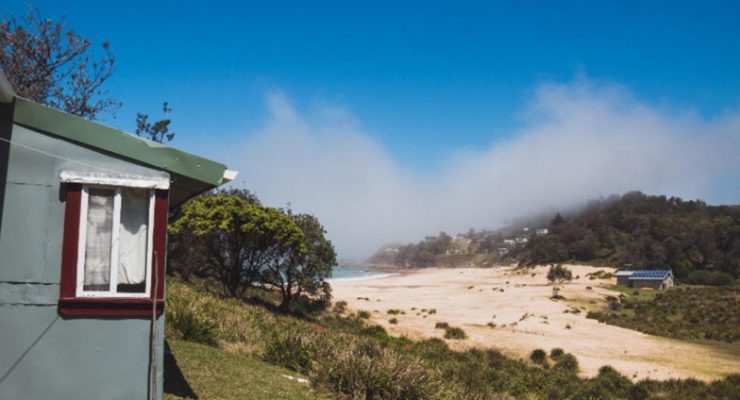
(393, 321)
(711, 278)
(394, 311)
(229, 236)
(538, 357)
(680, 312)
(559, 273)
(556, 353)
(158, 131)
(567, 362)
(453, 332)
(644, 232)
(363, 314)
(441, 325)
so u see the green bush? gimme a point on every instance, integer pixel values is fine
(710, 278)
(188, 317)
(394, 311)
(362, 314)
(567, 362)
(290, 349)
(441, 325)
(393, 321)
(556, 353)
(455, 333)
(559, 273)
(538, 357)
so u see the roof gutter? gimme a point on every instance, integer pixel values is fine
(6, 90)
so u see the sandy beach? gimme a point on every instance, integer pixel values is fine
(526, 318)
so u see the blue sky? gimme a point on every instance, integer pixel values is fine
(393, 120)
(424, 77)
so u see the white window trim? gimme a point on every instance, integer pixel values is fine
(82, 239)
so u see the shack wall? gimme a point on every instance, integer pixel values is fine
(43, 355)
(646, 283)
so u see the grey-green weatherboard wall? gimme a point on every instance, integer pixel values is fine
(42, 355)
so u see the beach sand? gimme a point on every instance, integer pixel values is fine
(527, 319)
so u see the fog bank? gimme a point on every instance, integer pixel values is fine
(577, 141)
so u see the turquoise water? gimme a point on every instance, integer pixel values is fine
(343, 273)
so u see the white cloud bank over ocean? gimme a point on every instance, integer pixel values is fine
(578, 141)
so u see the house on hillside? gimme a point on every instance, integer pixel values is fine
(656, 279)
(83, 231)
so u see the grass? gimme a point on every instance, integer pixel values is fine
(682, 312)
(345, 356)
(213, 373)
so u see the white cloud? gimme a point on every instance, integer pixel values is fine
(578, 141)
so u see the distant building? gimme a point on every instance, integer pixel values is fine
(502, 251)
(509, 242)
(525, 229)
(542, 231)
(521, 240)
(655, 278)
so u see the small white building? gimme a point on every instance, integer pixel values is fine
(542, 231)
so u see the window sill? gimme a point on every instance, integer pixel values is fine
(108, 307)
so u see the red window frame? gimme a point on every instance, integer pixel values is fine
(72, 306)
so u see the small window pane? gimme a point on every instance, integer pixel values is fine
(98, 240)
(132, 241)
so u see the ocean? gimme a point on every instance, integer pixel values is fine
(344, 273)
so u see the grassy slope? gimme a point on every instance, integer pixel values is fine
(685, 312)
(345, 356)
(214, 373)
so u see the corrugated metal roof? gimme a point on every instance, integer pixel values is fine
(190, 174)
(651, 274)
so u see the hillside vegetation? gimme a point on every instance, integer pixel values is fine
(691, 313)
(644, 232)
(701, 243)
(344, 357)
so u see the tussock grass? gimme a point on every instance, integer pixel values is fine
(353, 360)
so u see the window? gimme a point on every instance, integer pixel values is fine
(114, 256)
(113, 248)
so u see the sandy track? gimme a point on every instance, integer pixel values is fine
(528, 319)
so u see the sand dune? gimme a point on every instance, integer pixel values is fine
(527, 319)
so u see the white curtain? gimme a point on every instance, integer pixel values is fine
(98, 240)
(132, 239)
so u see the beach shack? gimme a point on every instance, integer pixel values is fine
(83, 230)
(656, 279)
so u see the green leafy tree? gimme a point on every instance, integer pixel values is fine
(51, 65)
(237, 236)
(305, 266)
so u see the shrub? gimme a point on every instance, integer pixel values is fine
(538, 357)
(567, 362)
(556, 353)
(362, 314)
(455, 333)
(394, 311)
(441, 325)
(188, 316)
(290, 349)
(432, 311)
(558, 273)
(363, 370)
(710, 278)
(340, 307)
(393, 321)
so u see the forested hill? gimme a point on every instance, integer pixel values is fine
(644, 232)
(634, 230)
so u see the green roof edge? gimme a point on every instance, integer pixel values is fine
(116, 141)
